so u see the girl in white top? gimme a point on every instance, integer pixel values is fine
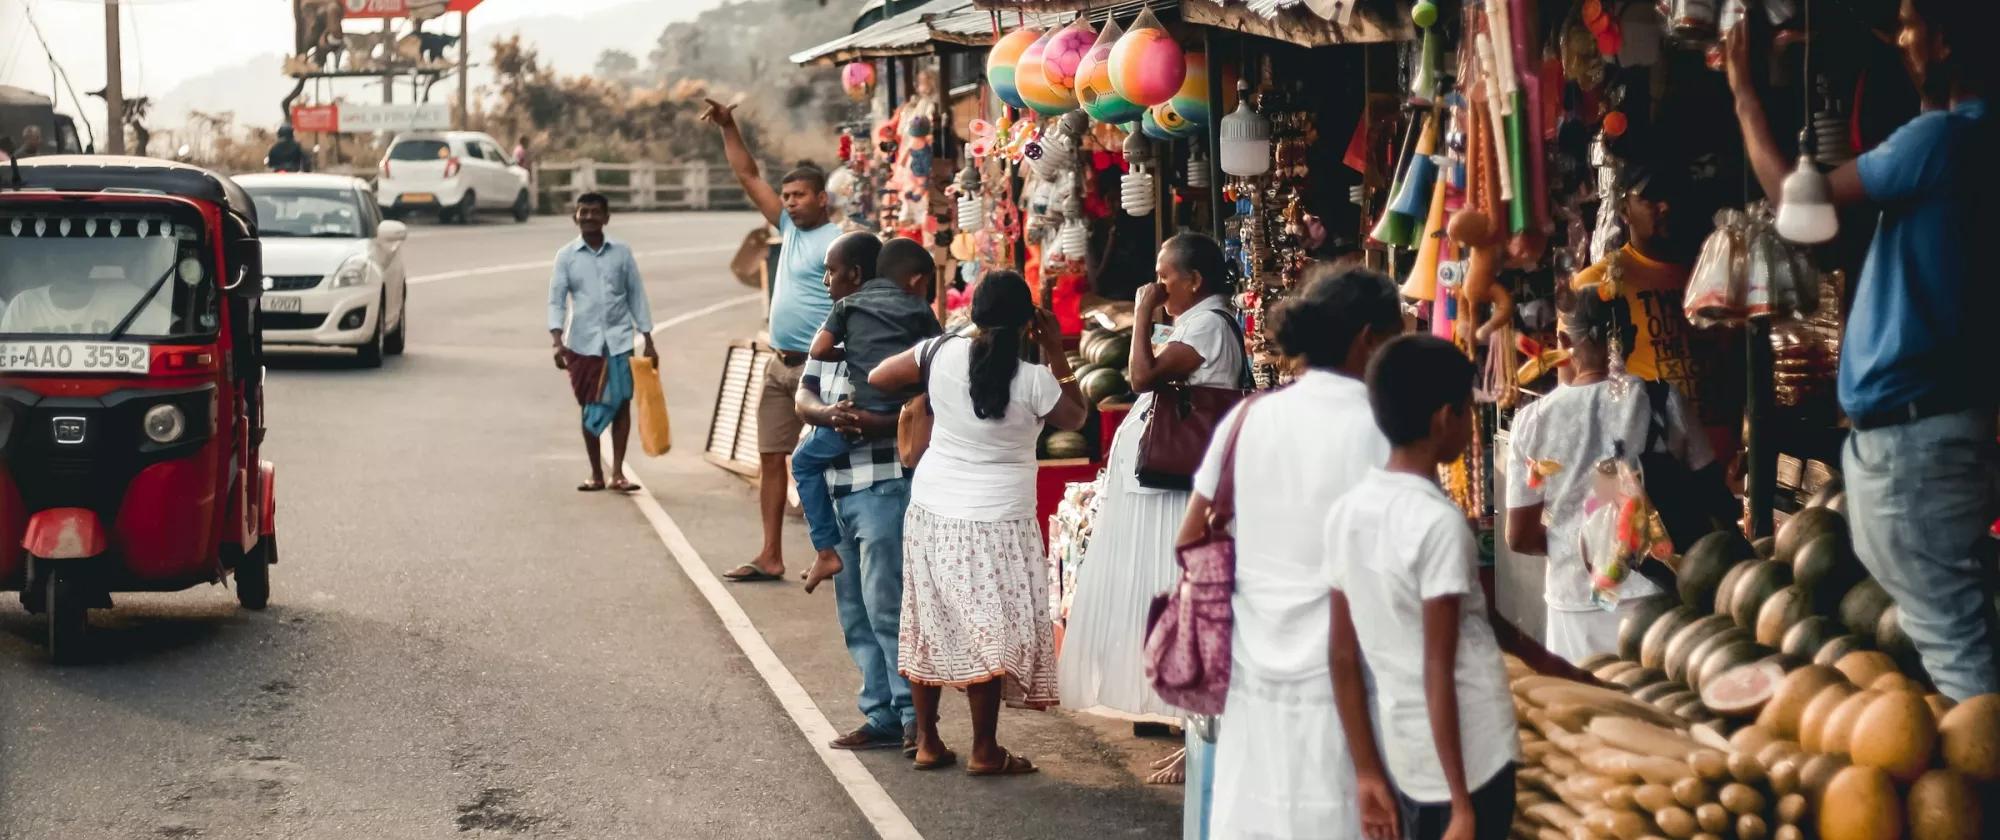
(975, 591)
(1281, 768)
(1131, 558)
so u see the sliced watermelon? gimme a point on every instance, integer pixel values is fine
(1742, 691)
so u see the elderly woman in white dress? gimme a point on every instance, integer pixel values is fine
(1281, 768)
(1131, 557)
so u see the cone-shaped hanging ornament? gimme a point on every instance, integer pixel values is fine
(1422, 282)
(1002, 62)
(1147, 65)
(1093, 81)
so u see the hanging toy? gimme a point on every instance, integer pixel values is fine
(858, 80)
(1136, 191)
(1424, 86)
(1093, 81)
(1002, 61)
(1171, 122)
(1063, 56)
(1191, 100)
(1032, 83)
(982, 134)
(1147, 66)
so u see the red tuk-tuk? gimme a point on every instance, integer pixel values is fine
(131, 398)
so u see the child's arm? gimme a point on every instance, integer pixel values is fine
(1441, 697)
(1530, 652)
(1350, 697)
(824, 348)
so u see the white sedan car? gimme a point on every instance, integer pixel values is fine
(333, 266)
(453, 174)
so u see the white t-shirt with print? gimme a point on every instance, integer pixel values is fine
(1575, 427)
(980, 470)
(1393, 543)
(34, 311)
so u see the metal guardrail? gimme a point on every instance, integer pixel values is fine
(640, 186)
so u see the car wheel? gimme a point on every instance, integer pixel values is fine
(253, 574)
(370, 354)
(466, 207)
(398, 337)
(522, 207)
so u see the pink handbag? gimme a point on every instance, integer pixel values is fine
(1188, 629)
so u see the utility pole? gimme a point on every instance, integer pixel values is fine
(464, 86)
(114, 87)
(388, 56)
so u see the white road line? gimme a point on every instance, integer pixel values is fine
(544, 263)
(706, 311)
(882, 812)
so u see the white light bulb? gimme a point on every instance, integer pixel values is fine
(1805, 206)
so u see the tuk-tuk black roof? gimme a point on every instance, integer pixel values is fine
(101, 173)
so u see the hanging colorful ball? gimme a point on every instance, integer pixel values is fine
(1064, 54)
(858, 79)
(1191, 101)
(1032, 84)
(1172, 121)
(1001, 64)
(1150, 124)
(1147, 67)
(1093, 82)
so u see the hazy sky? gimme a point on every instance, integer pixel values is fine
(167, 41)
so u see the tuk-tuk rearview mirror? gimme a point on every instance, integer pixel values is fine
(246, 277)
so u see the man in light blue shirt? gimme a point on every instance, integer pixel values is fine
(597, 305)
(799, 305)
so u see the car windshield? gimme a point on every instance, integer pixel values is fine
(290, 211)
(74, 271)
(420, 150)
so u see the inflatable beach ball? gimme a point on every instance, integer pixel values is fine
(1172, 122)
(1147, 66)
(1093, 82)
(1001, 64)
(1191, 101)
(1032, 83)
(1064, 54)
(858, 79)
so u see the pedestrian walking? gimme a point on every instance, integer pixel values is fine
(1920, 463)
(1103, 664)
(597, 306)
(799, 305)
(975, 585)
(1400, 557)
(1280, 763)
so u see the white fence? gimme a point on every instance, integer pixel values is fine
(640, 186)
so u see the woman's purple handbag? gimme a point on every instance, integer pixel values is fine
(1188, 629)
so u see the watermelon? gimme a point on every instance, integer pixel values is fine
(1826, 565)
(1702, 568)
(1809, 635)
(1114, 353)
(1066, 445)
(1757, 586)
(1805, 526)
(1690, 637)
(1766, 546)
(1786, 607)
(1701, 652)
(1103, 383)
(1861, 609)
(1890, 639)
(1655, 691)
(1828, 494)
(1837, 647)
(1653, 648)
(1725, 592)
(1639, 619)
(1729, 657)
(1596, 660)
(1742, 690)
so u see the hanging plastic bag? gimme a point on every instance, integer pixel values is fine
(649, 402)
(1717, 291)
(1620, 531)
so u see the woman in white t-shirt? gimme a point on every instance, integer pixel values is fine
(975, 585)
(1131, 556)
(1561, 438)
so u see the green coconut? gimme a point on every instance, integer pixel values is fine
(1705, 563)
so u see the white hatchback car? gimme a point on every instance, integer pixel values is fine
(333, 266)
(451, 173)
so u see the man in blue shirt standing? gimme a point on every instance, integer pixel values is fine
(1916, 376)
(799, 304)
(597, 307)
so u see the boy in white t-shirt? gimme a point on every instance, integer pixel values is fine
(1401, 557)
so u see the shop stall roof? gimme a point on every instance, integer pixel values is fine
(906, 33)
(974, 26)
(1311, 23)
(960, 23)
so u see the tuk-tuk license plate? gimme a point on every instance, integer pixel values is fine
(282, 304)
(74, 357)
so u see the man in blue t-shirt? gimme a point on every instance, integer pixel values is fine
(1916, 377)
(799, 304)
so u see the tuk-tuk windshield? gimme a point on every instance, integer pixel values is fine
(78, 272)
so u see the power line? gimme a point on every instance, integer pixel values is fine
(28, 9)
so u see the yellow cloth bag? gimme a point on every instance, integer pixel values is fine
(649, 403)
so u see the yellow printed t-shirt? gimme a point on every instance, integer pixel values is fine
(1705, 366)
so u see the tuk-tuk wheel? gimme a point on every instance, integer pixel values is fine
(68, 610)
(253, 575)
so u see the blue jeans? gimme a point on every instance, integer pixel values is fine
(1919, 497)
(868, 593)
(816, 450)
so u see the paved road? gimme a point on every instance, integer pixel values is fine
(461, 645)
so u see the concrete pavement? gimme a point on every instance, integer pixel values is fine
(460, 644)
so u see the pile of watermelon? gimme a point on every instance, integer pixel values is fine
(1101, 361)
(1788, 660)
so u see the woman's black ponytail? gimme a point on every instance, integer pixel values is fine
(1001, 307)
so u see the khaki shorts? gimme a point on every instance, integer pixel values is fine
(778, 424)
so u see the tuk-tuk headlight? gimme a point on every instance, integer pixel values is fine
(354, 272)
(165, 423)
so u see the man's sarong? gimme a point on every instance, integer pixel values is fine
(602, 385)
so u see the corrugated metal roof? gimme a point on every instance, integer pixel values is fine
(958, 22)
(903, 34)
(1307, 22)
(974, 27)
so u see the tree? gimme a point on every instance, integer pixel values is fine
(617, 65)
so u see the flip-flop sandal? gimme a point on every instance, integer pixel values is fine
(948, 759)
(623, 487)
(748, 573)
(590, 487)
(1013, 765)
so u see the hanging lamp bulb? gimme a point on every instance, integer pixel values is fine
(1246, 138)
(1135, 191)
(1197, 166)
(1805, 205)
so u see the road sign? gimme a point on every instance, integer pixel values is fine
(403, 8)
(315, 118)
(358, 118)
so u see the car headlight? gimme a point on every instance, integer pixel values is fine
(165, 423)
(354, 272)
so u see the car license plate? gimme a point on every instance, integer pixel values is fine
(419, 198)
(282, 304)
(74, 357)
